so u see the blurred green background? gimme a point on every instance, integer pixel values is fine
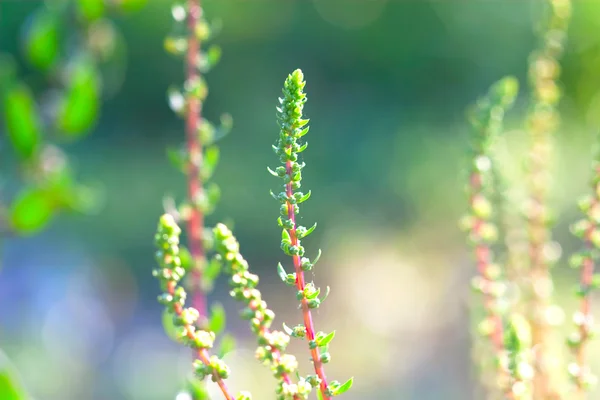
(388, 83)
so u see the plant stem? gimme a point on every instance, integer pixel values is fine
(201, 354)
(195, 223)
(543, 119)
(300, 284)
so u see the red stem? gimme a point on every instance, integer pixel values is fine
(483, 259)
(275, 353)
(300, 284)
(201, 354)
(195, 222)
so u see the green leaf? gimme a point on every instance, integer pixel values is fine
(32, 210)
(285, 236)
(288, 330)
(217, 320)
(227, 345)
(79, 109)
(326, 294)
(305, 197)
(281, 272)
(10, 385)
(325, 341)
(8, 70)
(42, 39)
(91, 9)
(211, 159)
(22, 121)
(186, 258)
(309, 231)
(344, 387)
(319, 394)
(212, 269)
(272, 172)
(197, 389)
(169, 326)
(177, 157)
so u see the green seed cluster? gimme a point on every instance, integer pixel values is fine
(587, 229)
(169, 273)
(271, 344)
(486, 118)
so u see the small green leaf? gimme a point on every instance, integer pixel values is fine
(178, 158)
(281, 272)
(309, 231)
(211, 159)
(325, 341)
(91, 9)
(32, 210)
(288, 330)
(197, 389)
(227, 345)
(186, 258)
(344, 387)
(326, 294)
(212, 269)
(10, 385)
(285, 236)
(79, 109)
(317, 257)
(169, 326)
(305, 197)
(22, 121)
(217, 320)
(319, 394)
(272, 172)
(42, 39)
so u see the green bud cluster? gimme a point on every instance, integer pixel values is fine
(486, 118)
(588, 230)
(271, 343)
(199, 157)
(292, 127)
(169, 273)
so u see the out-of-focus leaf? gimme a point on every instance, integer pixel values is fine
(32, 210)
(82, 199)
(110, 50)
(197, 389)
(91, 9)
(217, 320)
(132, 5)
(42, 39)
(22, 121)
(227, 345)
(79, 109)
(169, 326)
(10, 385)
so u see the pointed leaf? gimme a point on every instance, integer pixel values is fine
(79, 109)
(281, 272)
(227, 345)
(272, 172)
(317, 257)
(21, 120)
(217, 320)
(285, 236)
(288, 330)
(325, 341)
(42, 39)
(325, 295)
(31, 211)
(211, 159)
(319, 394)
(309, 231)
(305, 197)
(169, 326)
(344, 387)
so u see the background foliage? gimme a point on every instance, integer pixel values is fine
(388, 82)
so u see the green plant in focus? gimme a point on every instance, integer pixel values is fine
(271, 343)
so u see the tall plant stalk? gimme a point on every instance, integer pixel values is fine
(195, 222)
(542, 122)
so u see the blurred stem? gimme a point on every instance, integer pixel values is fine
(195, 223)
(544, 71)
